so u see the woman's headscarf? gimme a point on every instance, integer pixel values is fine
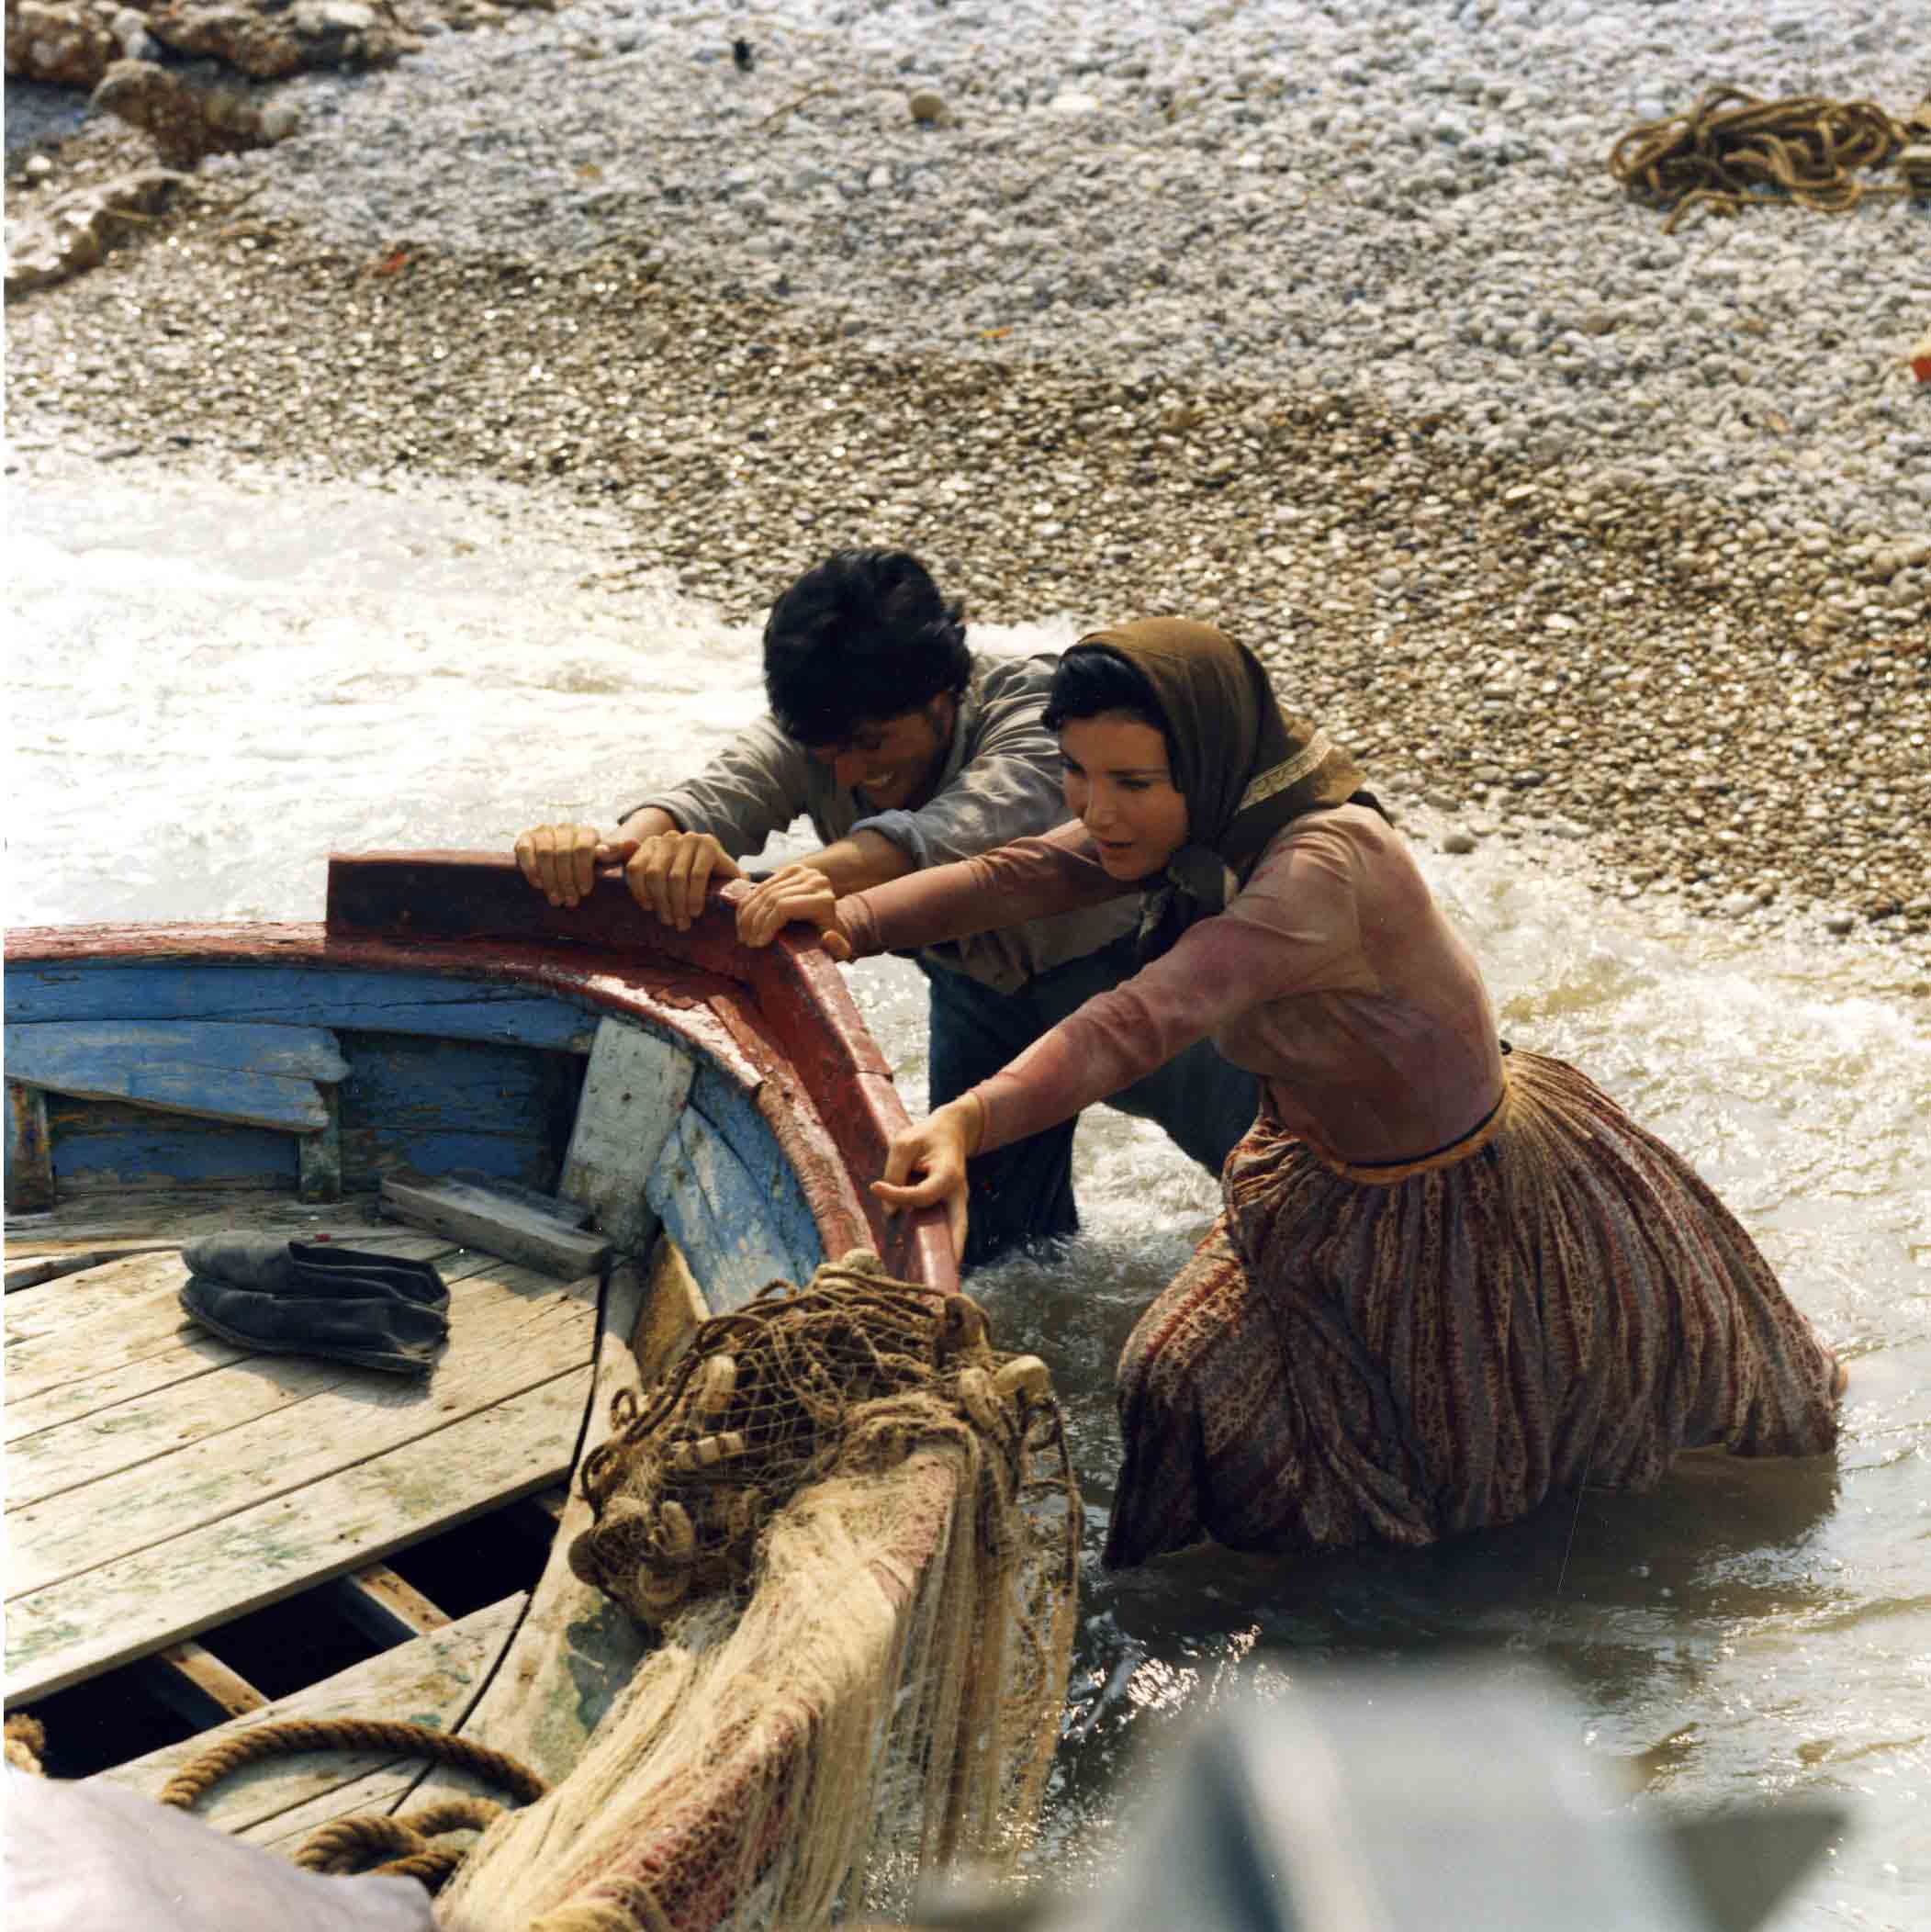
(1244, 766)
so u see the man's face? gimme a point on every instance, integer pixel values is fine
(894, 764)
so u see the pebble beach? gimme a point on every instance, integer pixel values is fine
(1327, 324)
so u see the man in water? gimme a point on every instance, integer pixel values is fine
(906, 749)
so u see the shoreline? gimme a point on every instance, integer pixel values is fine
(1697, 708)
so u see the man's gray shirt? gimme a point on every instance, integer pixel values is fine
(1001, 782)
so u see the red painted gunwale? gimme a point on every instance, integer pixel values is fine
(779, 1019)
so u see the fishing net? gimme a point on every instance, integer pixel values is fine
(855, 1526)
(1733, 151)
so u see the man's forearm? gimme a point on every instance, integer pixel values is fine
(866, 859)
(647, 822)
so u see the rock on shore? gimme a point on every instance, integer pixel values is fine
(76, 228)
(71, 43)
(191, 73)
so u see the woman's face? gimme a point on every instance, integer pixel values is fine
(1118, 784)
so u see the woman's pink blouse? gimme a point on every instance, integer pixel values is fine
(1331, 973)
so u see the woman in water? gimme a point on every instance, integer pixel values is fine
(1448, 1279)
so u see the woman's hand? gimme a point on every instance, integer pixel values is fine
(793, 893)
(936, 1150)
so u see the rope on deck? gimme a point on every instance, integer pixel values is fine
(404, 1845)
(348, 1734)
(400, 1847)
(25, 1744)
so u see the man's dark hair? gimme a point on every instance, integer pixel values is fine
(864, 635)
(1092, 680)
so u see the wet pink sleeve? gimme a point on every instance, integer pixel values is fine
(1293, 929)
(1059, 873)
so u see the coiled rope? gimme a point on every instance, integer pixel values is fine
(369, 1841)
(1724, 152)
(397, 1848)
(401, 1847)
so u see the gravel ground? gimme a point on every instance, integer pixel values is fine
(1328, 325)
(1388, 199)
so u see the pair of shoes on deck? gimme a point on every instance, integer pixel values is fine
(314, 1298)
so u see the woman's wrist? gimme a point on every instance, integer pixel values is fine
(855, 925)
(970, 1113)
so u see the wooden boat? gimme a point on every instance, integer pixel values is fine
(203, 1538)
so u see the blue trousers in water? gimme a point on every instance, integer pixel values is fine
(1024, 1192)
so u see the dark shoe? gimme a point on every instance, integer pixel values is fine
(377, 1330)
(271, 1265)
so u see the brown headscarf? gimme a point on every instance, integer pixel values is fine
(1245, 767)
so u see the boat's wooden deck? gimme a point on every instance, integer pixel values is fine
(161, 1482)
(432, 1680)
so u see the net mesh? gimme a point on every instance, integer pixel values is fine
(855, 1525)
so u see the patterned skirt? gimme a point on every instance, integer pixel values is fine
(1355, 1355)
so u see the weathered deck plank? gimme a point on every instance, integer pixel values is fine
(430, 1681)
(40, 1321)
(511, 1331)
(83, 1355)
(179, 1353)
(126, 1609)
(576, 1650)
(164, 1216)
(386, 1791)
(27, 1267)
(202, 1392)
(195, 1353)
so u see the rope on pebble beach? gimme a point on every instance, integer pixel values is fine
(1724, 151)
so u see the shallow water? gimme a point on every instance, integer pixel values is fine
(214, 686)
